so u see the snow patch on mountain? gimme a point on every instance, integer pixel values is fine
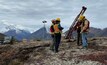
(5, 26)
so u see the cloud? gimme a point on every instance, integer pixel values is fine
(33, 12)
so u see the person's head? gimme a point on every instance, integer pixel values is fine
(81, 18)
(58, 20)
(53, 21)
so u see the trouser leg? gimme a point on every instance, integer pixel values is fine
(84, 40)
(53, 43)
(78, 38)
(58, 39)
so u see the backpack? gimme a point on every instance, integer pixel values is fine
(51, 28)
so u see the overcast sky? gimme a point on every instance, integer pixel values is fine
(31, 13)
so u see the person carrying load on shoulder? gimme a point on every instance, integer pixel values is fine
(57, 31)
(84, 30)
(52, 46)
(78, 29)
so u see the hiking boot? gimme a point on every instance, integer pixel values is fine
(52, 50)
(79, 47)
(85, 47)
(56, 51)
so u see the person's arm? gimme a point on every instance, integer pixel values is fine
(60, 27)
(76, 26)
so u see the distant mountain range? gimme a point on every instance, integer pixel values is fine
(94, 32)
(20, 32)
(97, 32)
(42, 33)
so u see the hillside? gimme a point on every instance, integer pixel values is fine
(94, 32)
(38, 53)
(18, 34)
(41, 34)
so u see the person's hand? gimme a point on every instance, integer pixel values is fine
(81, 31)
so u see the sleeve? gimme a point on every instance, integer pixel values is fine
(60, 27)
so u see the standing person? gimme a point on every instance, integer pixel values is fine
(58, 29)
(78, 28)
(84, 30)
(52, 35)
